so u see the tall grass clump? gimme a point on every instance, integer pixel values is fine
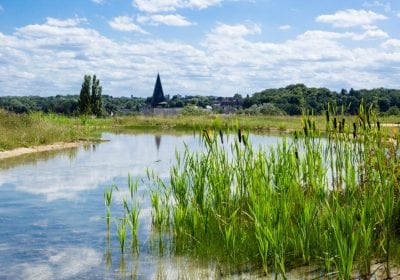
(38, 129)
(326, 199)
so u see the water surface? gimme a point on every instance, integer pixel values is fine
(52, 211)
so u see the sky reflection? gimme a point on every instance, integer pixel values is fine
(66, 177)
(52, 210)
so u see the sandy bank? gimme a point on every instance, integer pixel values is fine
(39, 149)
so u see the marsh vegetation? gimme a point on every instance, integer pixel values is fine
(328, 201)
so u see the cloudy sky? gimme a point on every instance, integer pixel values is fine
(205, 47)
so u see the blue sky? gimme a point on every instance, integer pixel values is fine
(199, 47)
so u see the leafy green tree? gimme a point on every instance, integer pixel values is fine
(90, 101)
(95, 98)
(84, 97)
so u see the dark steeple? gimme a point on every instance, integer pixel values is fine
(158, 94)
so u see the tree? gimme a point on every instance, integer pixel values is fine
(95, 98)
(84, 96)
(90, 97)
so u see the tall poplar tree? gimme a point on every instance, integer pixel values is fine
(90, 97)
(84, 97)
(95, 98)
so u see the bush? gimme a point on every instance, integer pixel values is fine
(267, 109)
(393, 111)
(191, 110)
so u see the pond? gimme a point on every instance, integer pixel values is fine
(52, 223)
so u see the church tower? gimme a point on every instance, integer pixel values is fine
(158, 93)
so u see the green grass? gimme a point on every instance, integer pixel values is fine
(37, 129)
(257, 124)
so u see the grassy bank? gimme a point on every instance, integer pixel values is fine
(255, 124)
(37, 129)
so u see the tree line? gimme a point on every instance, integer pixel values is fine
(295, 98)
(290, 100)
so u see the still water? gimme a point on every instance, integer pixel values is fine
(52, 210)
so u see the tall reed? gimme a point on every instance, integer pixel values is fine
(130, 218)
(107, 201)
(326, 199)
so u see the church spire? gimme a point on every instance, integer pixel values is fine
(158, 93)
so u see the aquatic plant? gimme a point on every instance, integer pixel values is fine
(121, 232)
(107, 201)
(132, 218)
(131, 211)
(323, 199)
(327, 199)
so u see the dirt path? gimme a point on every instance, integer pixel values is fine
(38, 149)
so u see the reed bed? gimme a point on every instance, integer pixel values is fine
(325, 200)
(330, 202)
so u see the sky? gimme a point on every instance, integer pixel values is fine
(199, 47)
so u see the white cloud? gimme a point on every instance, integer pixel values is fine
(371, 34)
(1, 8)
(99, 1)
(398, 15)
(171, 20)
(285, 27)
(386, 6)
(351, 18)
(391, 43)
(44, 59)
(64, 23)
(125, 24)
(324, 35)
(316, 58)
(238, 30)
(155, 6)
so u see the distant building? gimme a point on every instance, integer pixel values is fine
(158, 99)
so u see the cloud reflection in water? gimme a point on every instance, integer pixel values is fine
(66, 177)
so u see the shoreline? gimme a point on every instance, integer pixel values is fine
(42, 148)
